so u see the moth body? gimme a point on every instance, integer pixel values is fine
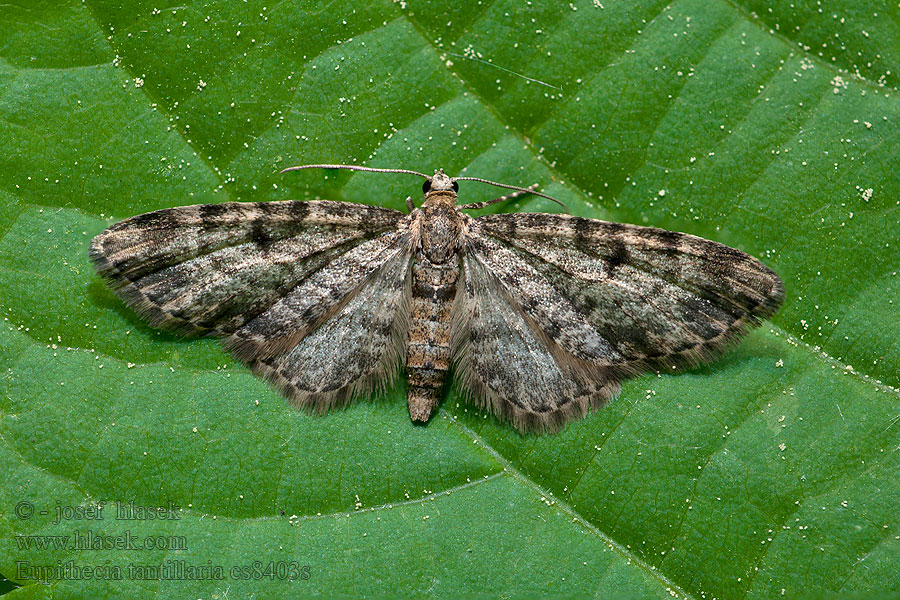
(438, 226)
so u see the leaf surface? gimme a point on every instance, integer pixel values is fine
(772, 471)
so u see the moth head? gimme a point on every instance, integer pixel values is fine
(439, 182)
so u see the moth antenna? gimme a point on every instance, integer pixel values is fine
(355, 168)
(511, 187)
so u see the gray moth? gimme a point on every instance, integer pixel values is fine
(539, 316)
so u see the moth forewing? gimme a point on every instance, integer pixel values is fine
(541, 314)
(606, 301)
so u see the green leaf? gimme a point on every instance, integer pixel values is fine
(769, 126)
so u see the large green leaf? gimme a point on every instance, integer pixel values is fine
(771, 128)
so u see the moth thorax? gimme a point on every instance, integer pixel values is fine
(441, 231)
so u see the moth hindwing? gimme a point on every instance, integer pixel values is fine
(540, 316)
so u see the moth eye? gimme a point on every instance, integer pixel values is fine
(426, 187)
(455, 187)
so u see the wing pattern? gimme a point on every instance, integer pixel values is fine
(268, 275)
(605, 300)
(550, 312)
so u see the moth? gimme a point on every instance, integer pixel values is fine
(540, 316)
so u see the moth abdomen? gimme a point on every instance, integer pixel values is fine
(428, 347)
